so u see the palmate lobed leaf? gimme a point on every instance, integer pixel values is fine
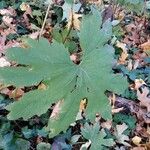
(65, 80)
(97, 138)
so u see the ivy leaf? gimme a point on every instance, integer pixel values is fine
(96, 137)
(64, 80)
(22, 144)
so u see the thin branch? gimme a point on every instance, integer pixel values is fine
(70, 28)
(43, 25)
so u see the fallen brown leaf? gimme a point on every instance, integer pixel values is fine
(143, 98)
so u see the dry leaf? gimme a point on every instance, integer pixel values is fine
(56, 109)
(7, 20)
(96, 2)
(34, 35)
(138, 83)
(74, 21)
(24, 6)
(4, 62)
(146, 47)
(86, 145)
(83, 104)
(130, 65)
(143, 98)
(115, 110)
(16, 93)
(146, 146)
(122, 138)
(107, 124)
(8, 12)
(136, 140)
(42, 86)
(138, 148)
(124, 53)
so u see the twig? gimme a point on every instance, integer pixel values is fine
(43, 25)
(70, 28)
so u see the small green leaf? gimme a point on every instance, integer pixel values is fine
(96, 137)
(22, 144)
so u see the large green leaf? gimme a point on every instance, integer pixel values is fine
(64, 80)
